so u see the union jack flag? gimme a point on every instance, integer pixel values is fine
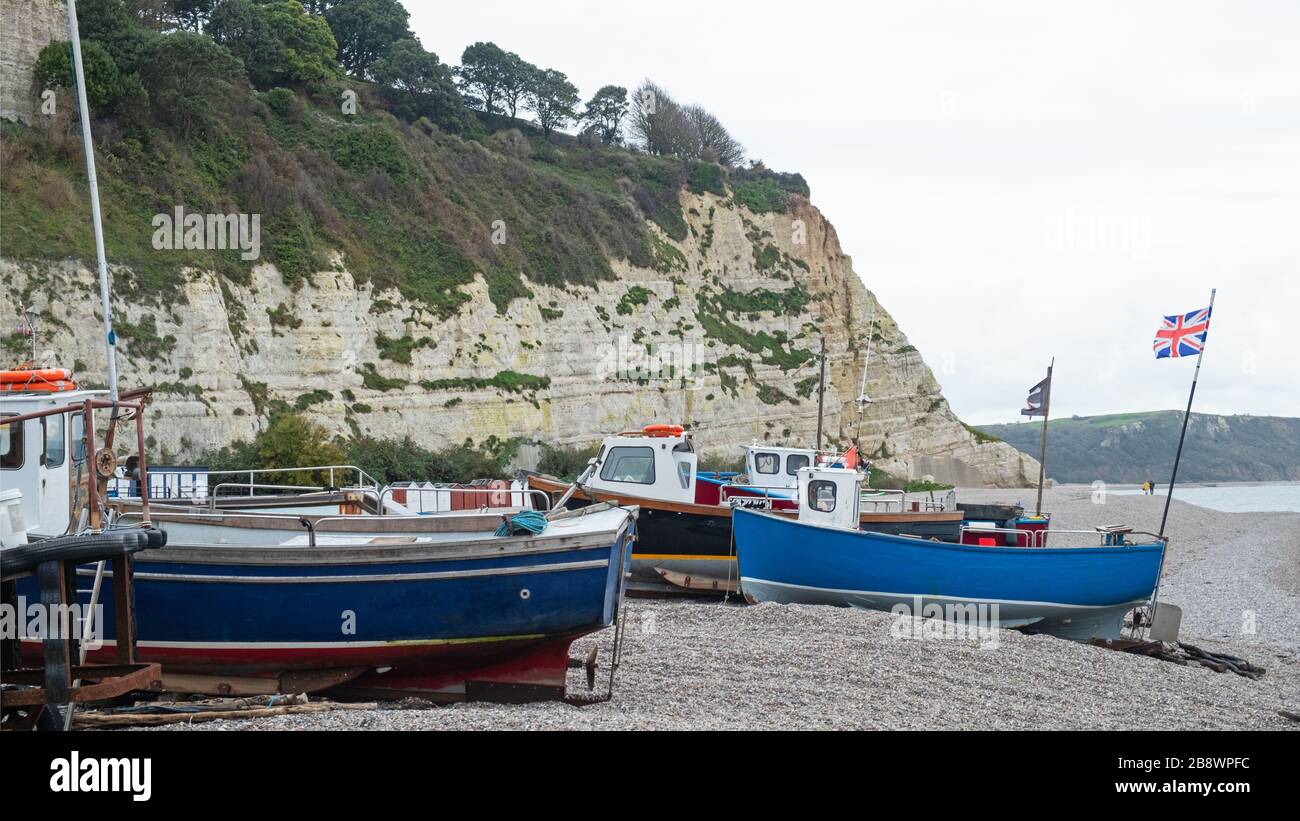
(1182, 335)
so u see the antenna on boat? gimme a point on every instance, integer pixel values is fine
(863, 400)
(88, 147)
(821, 393)
(29, 327)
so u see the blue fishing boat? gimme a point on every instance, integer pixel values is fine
(434, 606)
(293, 597)
(820, 558)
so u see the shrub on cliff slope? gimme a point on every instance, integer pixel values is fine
(293, 441)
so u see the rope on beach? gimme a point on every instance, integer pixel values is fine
(1180, 652)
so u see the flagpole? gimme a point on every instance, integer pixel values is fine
(1196, 375)
(1178, 456)
(1042, 451)
(110, 339)
(821, 394)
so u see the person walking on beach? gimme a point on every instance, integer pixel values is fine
(1146, 488)
(1153, 488)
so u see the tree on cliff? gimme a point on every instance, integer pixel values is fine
(661, 126)
(605, 113)
(517, 77)
(417, 84)
(278, 42)
(191, 15)
(709, 141)
(103, 80)
(111, 24)
(485, 72)
(553, 99)
(190, 78)
(365, 30)
(656, 121)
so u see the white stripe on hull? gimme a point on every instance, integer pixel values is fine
(907, 597)
(1074, 621)
(390, 577)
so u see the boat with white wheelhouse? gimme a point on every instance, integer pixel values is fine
(327, 588)
(823, 557)
(684, 529)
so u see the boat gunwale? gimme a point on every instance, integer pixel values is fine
(916, 541)
(480, 548)
(377, 554)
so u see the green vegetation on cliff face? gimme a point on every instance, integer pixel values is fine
(1135, 447)
(372, 155)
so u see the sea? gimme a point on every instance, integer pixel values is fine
(1234, 497)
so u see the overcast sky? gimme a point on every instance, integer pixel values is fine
(1014, 180)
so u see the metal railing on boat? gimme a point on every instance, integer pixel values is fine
(363, 478)
(252, 487)
(352, 476)
(531, 494)
(1105, 536)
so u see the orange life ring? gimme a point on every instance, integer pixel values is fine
(49, 380)
(663, 430)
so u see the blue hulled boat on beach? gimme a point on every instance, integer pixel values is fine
(823, 558)
(319, 591)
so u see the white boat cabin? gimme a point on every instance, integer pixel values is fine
(830, 496)
(40, 457)
(775, 468)
(657, 462)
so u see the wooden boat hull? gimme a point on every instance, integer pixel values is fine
(440, 618)
(1076, 593)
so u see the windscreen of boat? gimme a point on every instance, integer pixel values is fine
(630, 464)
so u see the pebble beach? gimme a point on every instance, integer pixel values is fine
(693, 664)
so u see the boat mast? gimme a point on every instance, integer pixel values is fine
(863, 400)
(1042, 451)
(821, 394)
(88, 147)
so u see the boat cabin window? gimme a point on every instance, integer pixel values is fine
(78, 438)
(11, 445)
(821, 495)
(794, 463)
(56, 440)
(767, 462)
(684, 474)
(629, 465)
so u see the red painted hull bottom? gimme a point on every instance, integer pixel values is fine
(524, 669)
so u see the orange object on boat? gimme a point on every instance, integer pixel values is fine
(663, 430)
(49, 380)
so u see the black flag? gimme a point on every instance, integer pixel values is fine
(1037, 400)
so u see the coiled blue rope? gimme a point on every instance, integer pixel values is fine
(529, 521)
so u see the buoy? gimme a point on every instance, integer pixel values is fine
(49, 380)
(663, 430)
